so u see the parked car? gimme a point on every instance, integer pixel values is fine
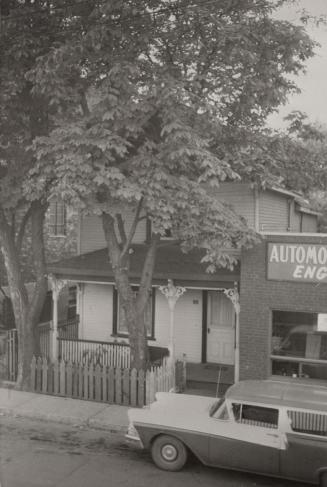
(268, 427)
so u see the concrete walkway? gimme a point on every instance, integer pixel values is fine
(64, 410)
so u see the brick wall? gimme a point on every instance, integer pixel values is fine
(258, 297)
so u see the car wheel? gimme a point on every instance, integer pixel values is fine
(168, 453)
(323, 480)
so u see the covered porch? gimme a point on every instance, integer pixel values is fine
(187, 328)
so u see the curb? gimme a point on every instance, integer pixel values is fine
(88, 423)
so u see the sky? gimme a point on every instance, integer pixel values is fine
(313, 84)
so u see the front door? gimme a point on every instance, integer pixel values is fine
(220, 328)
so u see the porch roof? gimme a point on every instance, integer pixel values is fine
(171, 263)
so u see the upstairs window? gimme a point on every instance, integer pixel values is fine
(57, 218)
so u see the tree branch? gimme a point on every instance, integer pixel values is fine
(84, 104)
(147, 272)
(131, 233)
(21, 232)
(121, 228)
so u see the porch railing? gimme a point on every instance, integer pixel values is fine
(88, 352)
(67, 329)
(78, 351)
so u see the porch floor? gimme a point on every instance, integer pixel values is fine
(202, 379)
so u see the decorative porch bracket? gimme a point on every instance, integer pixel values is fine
(172, 294)
(57, 285)
(233, 295)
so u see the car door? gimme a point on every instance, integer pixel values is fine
(248, 444)
(307, 441)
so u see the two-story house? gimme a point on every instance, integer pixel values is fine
(208, 328)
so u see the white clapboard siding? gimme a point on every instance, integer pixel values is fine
(241, 197)
(273, 211)
(309, 223)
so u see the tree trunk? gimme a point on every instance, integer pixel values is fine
(26, 310)
(134, 307)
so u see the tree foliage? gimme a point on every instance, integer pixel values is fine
(149, 105)
(154, 104)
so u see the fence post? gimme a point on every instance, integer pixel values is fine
(180, 376)
(33, 369)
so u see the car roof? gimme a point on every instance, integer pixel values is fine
(281, 393)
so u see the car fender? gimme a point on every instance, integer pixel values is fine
(198, 444)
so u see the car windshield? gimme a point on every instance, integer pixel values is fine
(215, 406)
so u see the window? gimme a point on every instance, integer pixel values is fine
(57, 218)
(119, 322)
(255, 415)
(72, 303)
(296, 336)
(46, 313)
(308, 422)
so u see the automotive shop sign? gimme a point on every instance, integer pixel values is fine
(297, 262)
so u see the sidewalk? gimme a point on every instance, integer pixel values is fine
(63, 410)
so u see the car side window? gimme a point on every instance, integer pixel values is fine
(255, 415)
(308, 422)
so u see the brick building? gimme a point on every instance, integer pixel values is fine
(284, 307)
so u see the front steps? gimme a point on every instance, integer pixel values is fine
(203, 379)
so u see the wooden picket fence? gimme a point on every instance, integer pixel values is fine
(11, 354)
(101, 383)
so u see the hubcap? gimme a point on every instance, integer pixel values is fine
(169, 453)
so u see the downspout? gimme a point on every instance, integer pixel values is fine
(290, 211)
(79, 233)
(256, 210)
(233, 295)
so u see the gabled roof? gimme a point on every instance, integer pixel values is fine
(303, 205)
(171, 263)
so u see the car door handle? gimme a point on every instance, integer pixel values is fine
(274, 435)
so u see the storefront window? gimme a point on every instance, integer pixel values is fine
(298, 345)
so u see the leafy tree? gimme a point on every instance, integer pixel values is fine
(297, 155)
(154, 103)
(27, 30)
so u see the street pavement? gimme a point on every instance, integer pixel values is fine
(49, 454)
(63, 410)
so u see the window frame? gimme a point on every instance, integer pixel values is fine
(257, 423)
(72, 303)
(57, 218)
(293, 365)
(115, 324)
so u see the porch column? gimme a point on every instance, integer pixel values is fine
(234, 296)
(172, 294)
(57, 286)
